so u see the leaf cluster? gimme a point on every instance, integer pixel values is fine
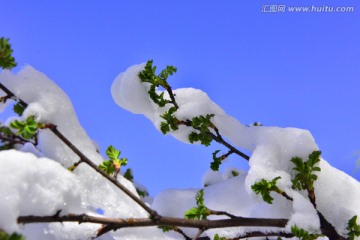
(171, 122)
(28, 128)
(142, 193)
(112, 166)
(217, 237)
(234, 173)
(305, 177)
(166, 228)
(214, 165)
(18, 109)
(264, 188)
(202, 124)
(6, 136)
(353, 228)
(14, 236)
(129, 175)
(199, 212)
(7, 61)
(256, 124)
(149, 75)
(303, 234)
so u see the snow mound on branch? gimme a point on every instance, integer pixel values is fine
(145, 233)
(35, 186)
(337, 196)
(49, 104)
(272, 149)
(131, 94)
(184, 199)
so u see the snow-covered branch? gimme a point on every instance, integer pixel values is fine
(288, 191)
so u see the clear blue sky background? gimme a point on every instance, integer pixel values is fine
(282, 69)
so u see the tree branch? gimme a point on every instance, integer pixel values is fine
(162, 221)
(198, 234)
(220, 140)
(172, 97)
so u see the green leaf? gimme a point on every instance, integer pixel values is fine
(7, 137)
(148, 75)
(19, 109)
(169, 70)
(202, 124)
(256, 124)
(305, 171)
(171, 122)
(28, 128)
(142, 193)
(13, 236)
(217, 237)
(192, 213)
(199, 212)
(235, 173)
(217, 161)
(200, 137)
(114, 163)
(112, 153)
(166, 228)
(129, 175)
(108, 167)
(353, 228)
(7, 61)
(264, 188)
(303, 234)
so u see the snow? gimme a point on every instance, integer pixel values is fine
(271, 147)
(35, 186)
(49, 104)
(183, 199)
(94, 192)
(342, 190)
(35, 180)
(131, 94)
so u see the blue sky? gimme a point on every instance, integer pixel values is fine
(287, 69)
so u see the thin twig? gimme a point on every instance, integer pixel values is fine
(222, 213)
(201, 230)
(172, 97)
(228, 145)
(178, 230)
(218, 138)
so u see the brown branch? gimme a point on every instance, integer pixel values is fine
(326, 227)
(228, 145)
(12, 95)
(221, 213)
(263, 234)
(257, 234)
(198, 234)
(178, 230)
(172, 97)
(162, 221)
(217, 138)
(226, 155)
(14, 140)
